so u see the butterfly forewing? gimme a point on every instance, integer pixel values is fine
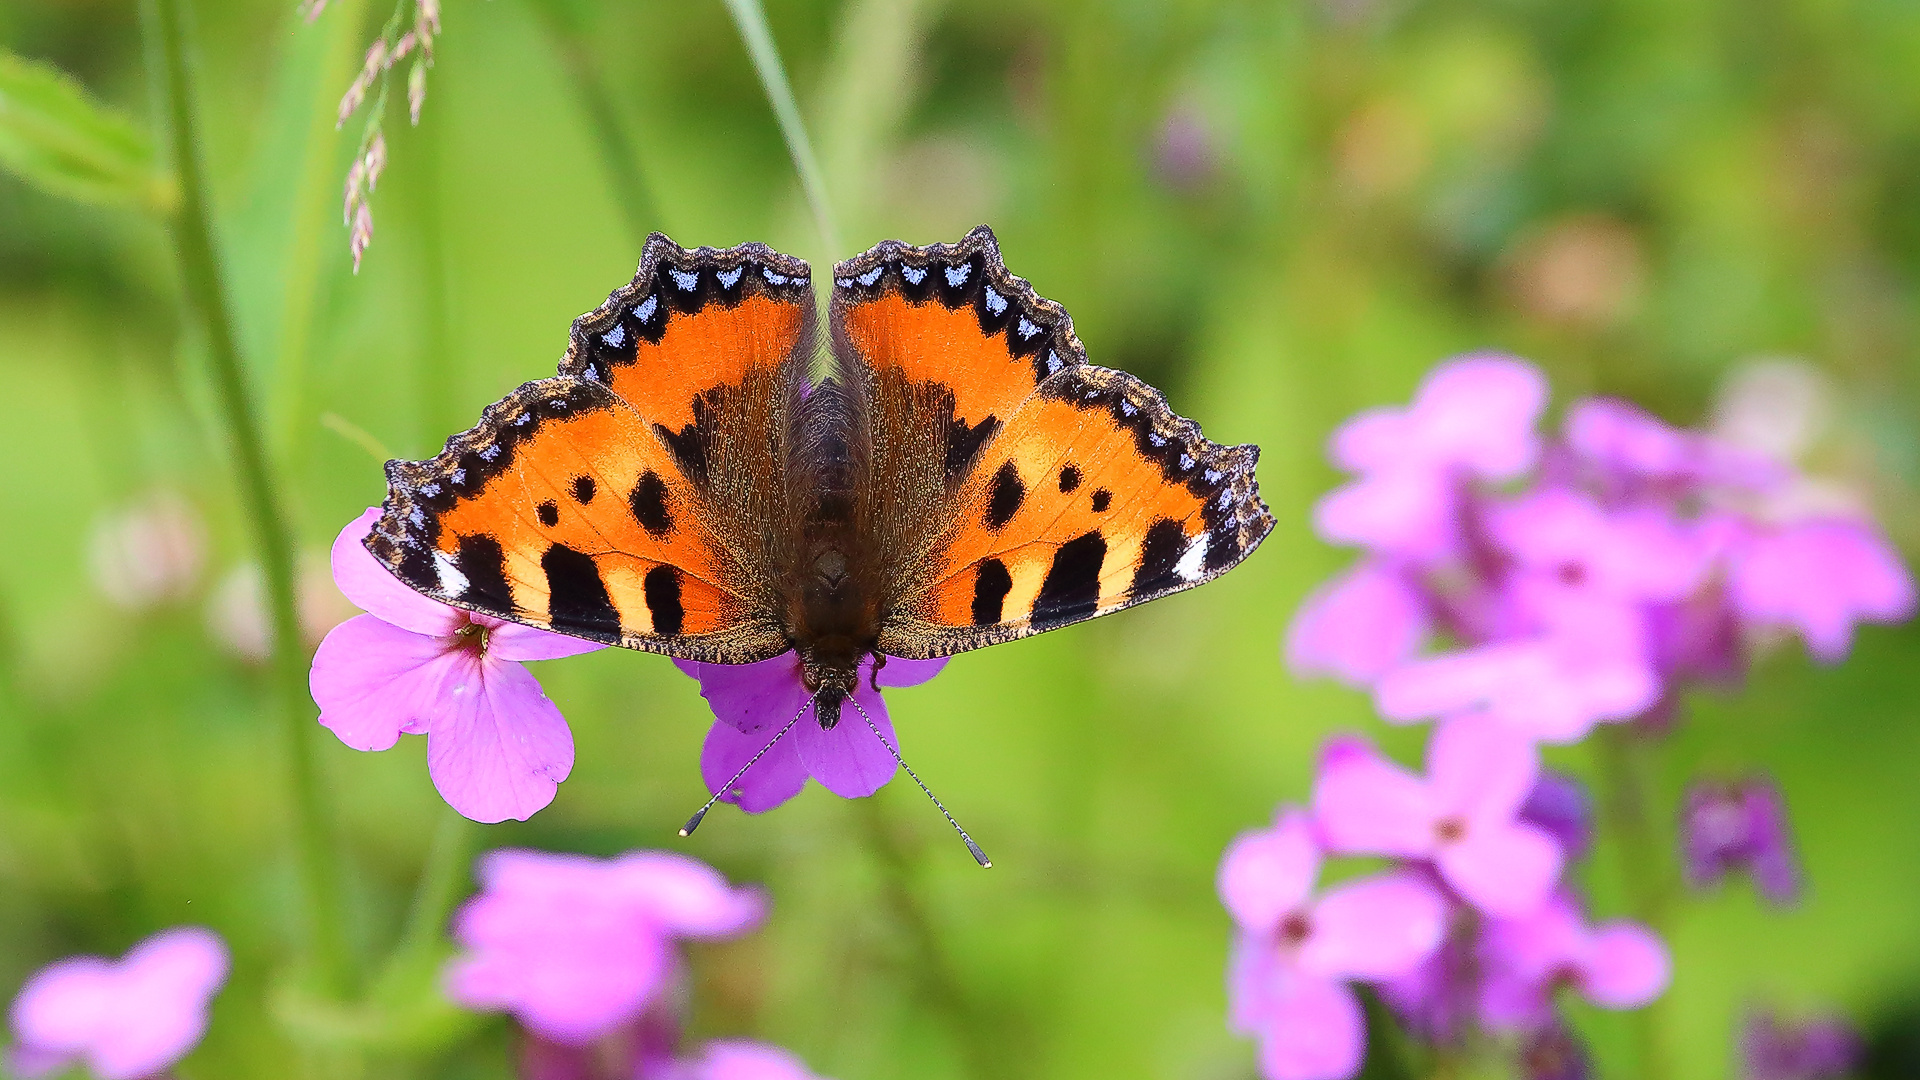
(638, 498)
(1064, 490)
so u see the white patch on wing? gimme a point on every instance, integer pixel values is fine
(914, 274)
(687, 281)
(647, 308)
(957, 275)
(1193, 561)
(729, 278)
(452, 581)
(995, 302)
(870, 276)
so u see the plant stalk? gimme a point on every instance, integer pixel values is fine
(322, 890)
(1644, 867)
(751, 19)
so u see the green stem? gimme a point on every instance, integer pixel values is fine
(442, 881)
(751, 20)
(193, 243)
(1645, 871)
(937, 983)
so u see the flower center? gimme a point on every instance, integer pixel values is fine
(1450, 830)
(1295, 928)
(1572, 574)
(472, 637)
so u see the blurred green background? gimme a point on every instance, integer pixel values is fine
(1276, 212)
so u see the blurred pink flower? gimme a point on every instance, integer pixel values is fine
(123, 1019)
(1724, 827)
(1820, 577)
(576, 947)
(1617, 965)
(1473, 418)
(1549, 687)
(1359, 626)
(1464, 816)
(149, 553)
(1295, 953)
(236, 610)
(1634, 453)
(496, 747)
(739, 1059)
(752, 702)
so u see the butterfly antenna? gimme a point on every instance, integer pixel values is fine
(978, 855)
(694, 821)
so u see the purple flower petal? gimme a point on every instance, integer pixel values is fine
(1359, 626)
(1313, 1031)
(504, 749)
(1552, 690)
(1365, 804)
(849, 761)
(898, 672)
(126, 1020)
(511, 641)
(738, 1059)
(1559, 806)
(685, 896)
(1502, 868)
(1820, 577)
(374, 681)
(1406, 512)
(571, 972)
(779, 776)
(1250, 977)
(1475, 413)
(1266, 874)
(374, 590)
(1625, 967)
(1480, 768)
(754, 698)
(1378, 927)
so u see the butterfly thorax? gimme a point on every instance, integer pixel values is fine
(836, 627)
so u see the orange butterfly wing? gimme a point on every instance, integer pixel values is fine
(1051, 490)
(625, 500)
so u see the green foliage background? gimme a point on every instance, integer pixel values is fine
(1373, 185)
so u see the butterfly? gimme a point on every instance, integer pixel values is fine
(957, 475)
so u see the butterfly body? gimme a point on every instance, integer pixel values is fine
(959, 477)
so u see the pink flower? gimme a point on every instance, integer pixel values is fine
(496, 747)
(1295, 952)
(1359, 626)
(1820, 577)
(576, 947)
(1636, 453)
(1549, 687)
(1473, 418)
(739, 1059)
(1464, 816)
(1617, 965)
(1724, 827)
(123, 1019)
(753, 702)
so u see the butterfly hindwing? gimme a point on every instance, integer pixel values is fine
(625, 500)
(1050, 490)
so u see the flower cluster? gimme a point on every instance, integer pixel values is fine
(126, 1019)
(1470, 927)
(1520, 590)
(1636, 557)
(581, 952)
